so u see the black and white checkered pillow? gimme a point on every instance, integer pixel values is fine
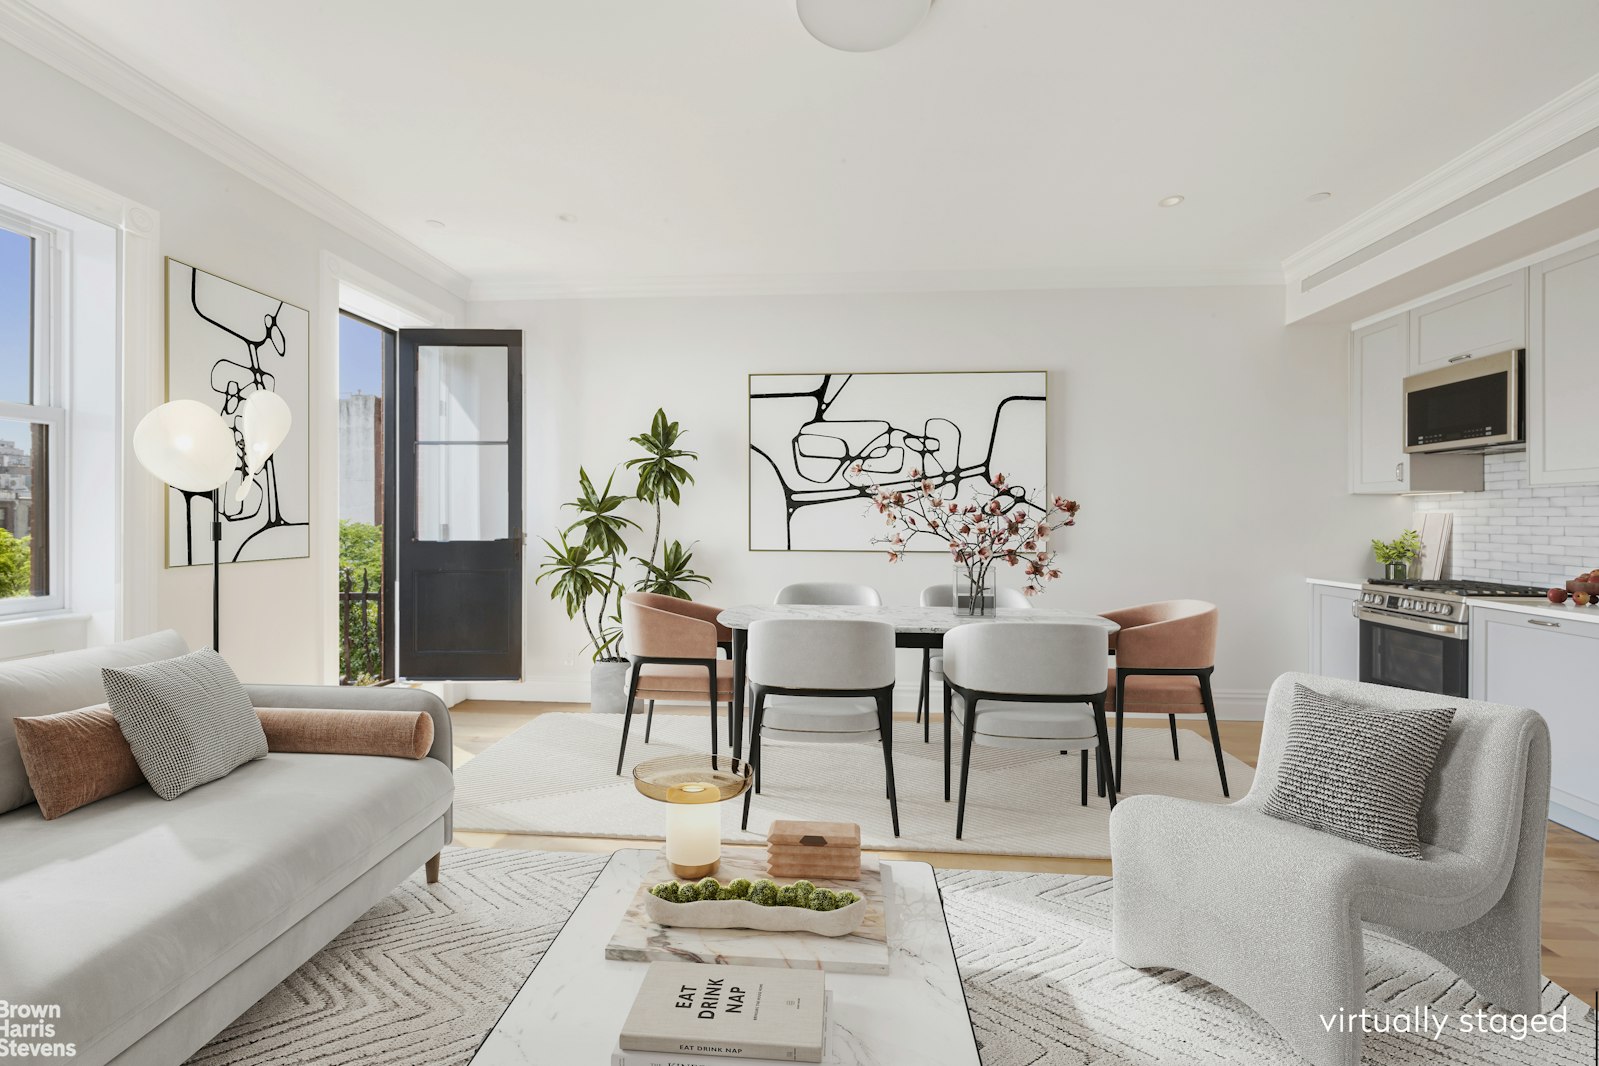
(188, 720)
(1356, 771)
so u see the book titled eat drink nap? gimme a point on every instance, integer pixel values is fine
(749, 1012)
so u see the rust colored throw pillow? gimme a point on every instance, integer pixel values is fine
(75, 757)
(398, 734)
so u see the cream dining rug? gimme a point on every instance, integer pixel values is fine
(557, 776)
(422, 977)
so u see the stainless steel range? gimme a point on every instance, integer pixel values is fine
(1413, 634)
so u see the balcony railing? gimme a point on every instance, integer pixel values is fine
(362, 640)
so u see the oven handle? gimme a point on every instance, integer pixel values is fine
(1452, 630)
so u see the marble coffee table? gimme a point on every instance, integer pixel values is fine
(572, 1006)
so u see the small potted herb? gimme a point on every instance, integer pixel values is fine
(1396, 555)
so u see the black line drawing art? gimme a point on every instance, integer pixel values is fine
(807, 432)
(225, 342)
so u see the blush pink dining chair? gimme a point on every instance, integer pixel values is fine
(673, 645)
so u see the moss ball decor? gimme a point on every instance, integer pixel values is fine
(764, 893)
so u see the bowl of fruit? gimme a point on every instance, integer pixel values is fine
(763, 904)
(1582, 590)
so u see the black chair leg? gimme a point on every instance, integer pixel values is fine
(1085, 777)
(1215, 736)
(948, 722)
(1118, 739)
(731, 743)
(649, 720)
(1104, 748)
(627, 717)
(755, 756)
(712, 693)
(922, 698)
(1175, 754)
(967, 733)
(885, 723)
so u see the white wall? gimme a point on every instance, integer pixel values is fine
(274, 624)
(1205, 440)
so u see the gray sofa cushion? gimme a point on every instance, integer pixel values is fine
(187, 720)
(129, 908)
(1358, 771)
(65, 682)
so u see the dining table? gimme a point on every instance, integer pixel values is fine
(914, 627)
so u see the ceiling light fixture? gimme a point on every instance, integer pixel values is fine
(861, 25)
(1170, 201)
(1317, 197)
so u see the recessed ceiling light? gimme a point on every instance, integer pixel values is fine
(1170, 201)
(1316, 197)
(861, 25)
(435, 223)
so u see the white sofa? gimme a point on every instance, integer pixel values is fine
(154, 924)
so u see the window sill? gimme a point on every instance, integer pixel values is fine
(23, 636)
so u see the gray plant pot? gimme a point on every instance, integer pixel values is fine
(608, 687)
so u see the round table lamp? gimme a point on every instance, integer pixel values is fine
(692, 786)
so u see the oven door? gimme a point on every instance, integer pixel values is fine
(1424, 656)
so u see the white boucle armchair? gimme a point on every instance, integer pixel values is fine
(1272, 911)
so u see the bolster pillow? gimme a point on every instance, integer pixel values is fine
(397, 734)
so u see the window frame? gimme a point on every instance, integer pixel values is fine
(49, 386)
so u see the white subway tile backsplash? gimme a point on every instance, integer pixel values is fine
(1517, 532)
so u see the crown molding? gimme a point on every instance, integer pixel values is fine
(825, 284)
(1568, 115)
(50, 41)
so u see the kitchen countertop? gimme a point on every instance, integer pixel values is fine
(1334, 584)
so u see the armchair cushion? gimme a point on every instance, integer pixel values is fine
(684, 677)
(1356, 771)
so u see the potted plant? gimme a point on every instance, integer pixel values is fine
(661, 477)
(1395, 555)
(1003, 525)
(586, 567)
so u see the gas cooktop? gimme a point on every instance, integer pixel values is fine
(1461, 588)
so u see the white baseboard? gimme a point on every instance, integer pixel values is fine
(1234, 705)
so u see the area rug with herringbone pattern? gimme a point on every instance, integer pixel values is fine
(421, 978)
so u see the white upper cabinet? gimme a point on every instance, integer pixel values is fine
(1563, 369)
(1481, 320)
(1377, 365)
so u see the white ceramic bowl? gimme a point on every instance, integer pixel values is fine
(739, 914)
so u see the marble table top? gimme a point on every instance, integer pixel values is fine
(573, 1005)
(907, 619)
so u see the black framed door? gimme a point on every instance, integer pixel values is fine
(459, 503)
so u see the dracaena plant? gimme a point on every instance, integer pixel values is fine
(583, 567)
(661, 477)
(1002, 525)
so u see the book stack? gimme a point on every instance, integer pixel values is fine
(829, 850)
(688, 1014)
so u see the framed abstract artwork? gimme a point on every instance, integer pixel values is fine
(807, 431)
(225, 341)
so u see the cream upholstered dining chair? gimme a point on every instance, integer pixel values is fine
(1165, 654)
(829, 593)
(1026, 685)
(672, 645)
(943, 595)
(1274, 912)
(821, 680)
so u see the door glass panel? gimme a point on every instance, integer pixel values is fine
(460, 393)
(462, 491)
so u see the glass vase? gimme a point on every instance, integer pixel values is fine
(1396, 571)
(974, 590)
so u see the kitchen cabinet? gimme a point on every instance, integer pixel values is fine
(1378, 358)
(1563, 369)
(1546, 662)
(1334, 632)
(1481, 320)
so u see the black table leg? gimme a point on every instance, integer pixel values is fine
(740, 648)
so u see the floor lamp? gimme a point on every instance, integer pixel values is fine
(193, 449)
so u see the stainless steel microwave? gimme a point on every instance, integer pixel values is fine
(1467, 406)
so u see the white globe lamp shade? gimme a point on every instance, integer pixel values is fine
(861, 25)
(185, 444)
(265, 419)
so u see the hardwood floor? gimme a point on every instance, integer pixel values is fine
(1571, 860)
